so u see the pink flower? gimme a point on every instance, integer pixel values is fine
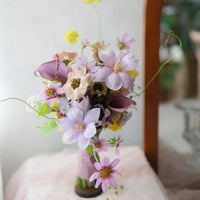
(100, 145)
(105, 173)
(123, 44)
(117, 145)
(77, 83)
(51, 93)
(115, 72)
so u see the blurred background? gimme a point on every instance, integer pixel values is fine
(31, 32)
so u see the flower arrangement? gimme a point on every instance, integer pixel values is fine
(87, 96)
(84, 94)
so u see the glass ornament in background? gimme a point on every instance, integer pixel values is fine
(191, 133)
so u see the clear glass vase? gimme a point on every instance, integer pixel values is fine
(86, 168)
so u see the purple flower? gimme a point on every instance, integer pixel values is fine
(90, 66)
(83, 103)
(99, 145)
(79, 126)
(123, 44)
(53, 70)
(104, 113)
(105, 173)
(120, 103)
(51, 93)
(115, 72)
(117, 145)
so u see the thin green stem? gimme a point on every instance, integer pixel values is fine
(171, 33)
(15, 98)
(99, 20)
(95, 156)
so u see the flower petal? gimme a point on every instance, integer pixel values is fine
(65, 123)
(98, 166)
(107, 56)
(115, 171)
(94, 176)
(53, 70)
(83, 142)
(92, 115)
(75, 115)
(127, 80)
(120, 103)
(99, 181)
(90, 130)
(130, 62)
(70, 137)
(112, 181)
(102, 73)
(105, 161)
(113, 81)
(114, 163)
(103, 186)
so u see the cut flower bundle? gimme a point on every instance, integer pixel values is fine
(88, 95)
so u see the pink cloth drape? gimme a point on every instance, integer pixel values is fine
(52, 176)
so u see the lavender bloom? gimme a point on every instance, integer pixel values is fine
(83, 103)
(115, 72)
(79, 126)
(90, 66)
(123, 44)
(104, 174)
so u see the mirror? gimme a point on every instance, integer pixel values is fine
(179, 131)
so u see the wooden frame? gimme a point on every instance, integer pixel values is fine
(151, 43)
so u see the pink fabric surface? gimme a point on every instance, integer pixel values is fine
(52, 177)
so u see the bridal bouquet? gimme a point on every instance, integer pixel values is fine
(88, 95)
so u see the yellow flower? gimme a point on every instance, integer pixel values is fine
(91, 1)
(134, 73)
(72, 36)
(115, 126)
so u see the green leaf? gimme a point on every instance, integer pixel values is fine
(49, 126)
(89, 149)
(43, 109)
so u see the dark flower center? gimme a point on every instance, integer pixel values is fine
(98, 144)
(98, 87)
(105, 173)
(75, 83)
(50, 91)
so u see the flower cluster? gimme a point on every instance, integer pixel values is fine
(88, 93)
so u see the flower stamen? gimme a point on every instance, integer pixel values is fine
(105, 172)
(80, 126)
(118, 66)
(50, 91)
(75, 83)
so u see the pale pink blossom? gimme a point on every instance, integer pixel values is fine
(77, 84)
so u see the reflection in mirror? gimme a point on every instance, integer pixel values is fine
(179, 114)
